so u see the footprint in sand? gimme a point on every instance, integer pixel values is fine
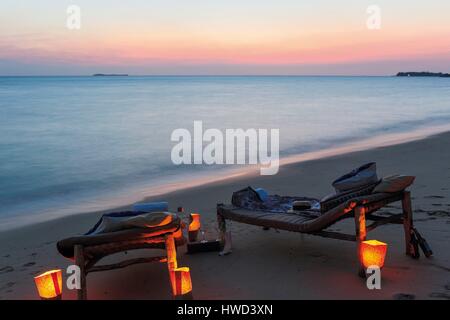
(425, 219)
(434, 197)
(8, 255)
(404, 296)
(400, 267)
(439, 213)
(9, 285)
(6, 269)
(29, 264)
(440, 295)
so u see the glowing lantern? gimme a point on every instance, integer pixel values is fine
(194, 226)
(373, 253)
(181, 282)
(49, 284)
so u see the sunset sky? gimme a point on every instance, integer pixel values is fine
(224, 37)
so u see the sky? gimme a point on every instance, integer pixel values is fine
(215, 37)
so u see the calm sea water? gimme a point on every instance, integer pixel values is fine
(68, 143)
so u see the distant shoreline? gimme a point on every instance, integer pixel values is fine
(202, 75)
(423, 74)
(109, 75)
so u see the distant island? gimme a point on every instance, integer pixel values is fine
(109, 75)
(423, 74)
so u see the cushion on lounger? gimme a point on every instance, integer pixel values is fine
(394, 183)
(333, 200)
(119, 239)
(250, 199)
(245, 195)
(362, 176)
(142, 220)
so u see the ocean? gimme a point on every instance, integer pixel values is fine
(76, 144)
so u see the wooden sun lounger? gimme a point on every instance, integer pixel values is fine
(87, 250)
(315, 223)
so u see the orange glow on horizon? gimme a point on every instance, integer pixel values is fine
(321, 48)
(161, 37)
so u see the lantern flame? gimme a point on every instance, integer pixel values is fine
(373, 253)
(49, 284)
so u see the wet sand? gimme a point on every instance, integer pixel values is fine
(268, 264)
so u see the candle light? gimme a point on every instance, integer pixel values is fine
(194, 226)
(181, 283)
(49, 284)
(373, 253)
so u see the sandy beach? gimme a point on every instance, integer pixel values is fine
(268, 264)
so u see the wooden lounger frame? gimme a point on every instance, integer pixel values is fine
(361, 211)
(86, 257)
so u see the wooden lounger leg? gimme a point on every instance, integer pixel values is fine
(224, 236)
(174, 272)
(360, 226)
(172, 263)
(171, 252)
(407, 221)
(79, 261)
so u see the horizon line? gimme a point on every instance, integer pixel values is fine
(198, 75)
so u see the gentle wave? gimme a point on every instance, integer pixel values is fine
(78, 144)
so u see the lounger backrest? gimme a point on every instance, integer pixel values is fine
(331, 201)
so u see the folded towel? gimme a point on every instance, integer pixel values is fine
(249, 199)
(263, 195)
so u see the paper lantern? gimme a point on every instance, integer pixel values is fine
(373, 253)
(194, 226)
(49, 284)
(181, 282)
